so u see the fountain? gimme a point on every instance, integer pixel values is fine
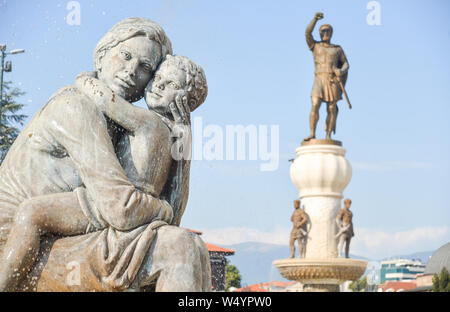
(321, 173)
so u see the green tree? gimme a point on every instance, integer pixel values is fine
(10, 118)
(232, 276)
(359, 285)
(441, 282)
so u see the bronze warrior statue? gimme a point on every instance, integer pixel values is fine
(299, 230)
(331, 68)
(345, 228)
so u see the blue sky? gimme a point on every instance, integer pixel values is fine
(260, 72)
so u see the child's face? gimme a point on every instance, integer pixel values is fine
(168, 83)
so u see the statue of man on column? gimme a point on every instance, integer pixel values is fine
(331, 68)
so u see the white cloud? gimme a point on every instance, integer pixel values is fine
(376, 244)
(236, 235)
(368, 242)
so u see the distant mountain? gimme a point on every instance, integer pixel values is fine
(254, 260)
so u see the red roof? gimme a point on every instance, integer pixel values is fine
(396, 286)
(265, 287)
(215, 248)
(282, 284)
(212, 247)
(193, 231)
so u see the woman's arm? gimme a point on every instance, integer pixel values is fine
(80, 127)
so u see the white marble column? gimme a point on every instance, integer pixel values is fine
(320, 172)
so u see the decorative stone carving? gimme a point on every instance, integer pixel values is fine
(321, 271)
(320, 170)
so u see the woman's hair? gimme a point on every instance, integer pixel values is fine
(129, 28)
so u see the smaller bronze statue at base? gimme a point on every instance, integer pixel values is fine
(299, 231)
(345, 228)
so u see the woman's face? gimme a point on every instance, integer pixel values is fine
(128, 67)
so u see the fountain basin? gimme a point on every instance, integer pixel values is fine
(332, 271)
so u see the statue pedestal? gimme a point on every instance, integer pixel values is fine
(321, 275)
(321, 173)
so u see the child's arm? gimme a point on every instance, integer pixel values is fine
(115, 107)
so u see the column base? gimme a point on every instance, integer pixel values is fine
(321, 275)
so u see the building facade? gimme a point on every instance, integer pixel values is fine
(400, 270)
(217, 256)
(439, 260)
(218, 262)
